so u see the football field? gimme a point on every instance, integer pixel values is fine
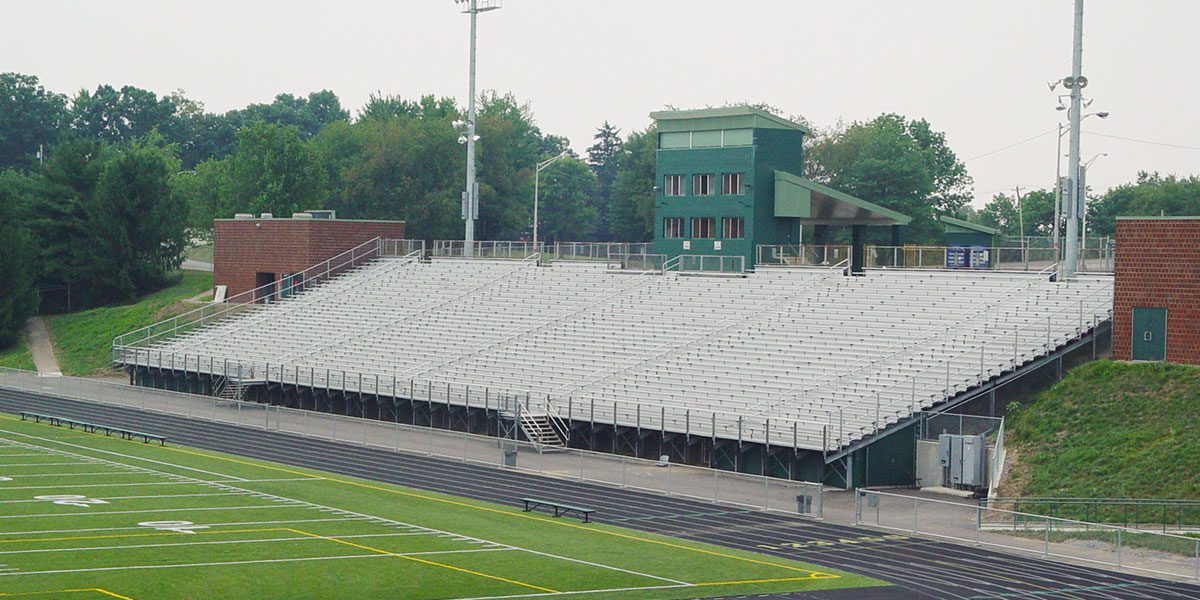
(87, 516)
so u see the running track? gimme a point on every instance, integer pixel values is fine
(920, 568)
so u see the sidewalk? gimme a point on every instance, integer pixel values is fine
(40, 347)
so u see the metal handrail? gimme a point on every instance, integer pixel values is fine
(908, 344)
(940, 365)
(236, 302)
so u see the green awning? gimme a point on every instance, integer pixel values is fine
(815, 204)
(960, 226)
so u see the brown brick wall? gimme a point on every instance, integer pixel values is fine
(242, 248)
(1158, 266)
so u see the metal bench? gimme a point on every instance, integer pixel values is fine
(559, 508)
(108, 430)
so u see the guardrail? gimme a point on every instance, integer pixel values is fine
(322, 271)
(709, 263)
(1172, 555)
(1136, 513)
(517, 250)
(996, 258)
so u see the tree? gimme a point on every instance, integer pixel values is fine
(509, 148)
(897, 163)
(120, 116)
(1151, 195)
(603, 158)
(393, 107)
(136, 224)
(16, 269)
(564, 212)
(30, 119)
(272, 171)
(1000, 213)
(307, 114)
(631, 208)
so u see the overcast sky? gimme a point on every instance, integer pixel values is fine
(976, 70)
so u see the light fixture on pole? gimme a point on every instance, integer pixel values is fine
(1083, 203)
(470, 198)
(1058, 185)
(536, 174)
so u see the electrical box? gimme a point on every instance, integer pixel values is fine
(963, 459)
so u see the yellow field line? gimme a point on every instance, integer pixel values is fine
(71, 591)
(491, 510)
(423, 561)
(502, 512)
(772, 580)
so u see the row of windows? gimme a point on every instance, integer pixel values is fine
(732, 228)
(732, 184)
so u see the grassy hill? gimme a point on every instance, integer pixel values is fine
(1110, 429)
(82, 340)
(17, 356)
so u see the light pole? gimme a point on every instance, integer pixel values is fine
(1076, 82)
(536, 174)
(470, 209)
(1058, 177)
(1083, 204)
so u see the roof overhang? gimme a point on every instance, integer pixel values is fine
(815, 204)
(728, 117)
(960, 226)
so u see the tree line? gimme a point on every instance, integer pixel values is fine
(100, 192)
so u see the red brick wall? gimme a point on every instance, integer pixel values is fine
(1158, 266)
(242, 248)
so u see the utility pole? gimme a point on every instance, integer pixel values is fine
(470, 208)
(1057, 200)
(1020, 215)
(1076, 82)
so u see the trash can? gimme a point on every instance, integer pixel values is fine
(804, 504)
(510, 458)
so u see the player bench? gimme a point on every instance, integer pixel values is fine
(559, 508)
(108, 430)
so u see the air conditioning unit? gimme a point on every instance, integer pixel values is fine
(266, 216)
(323, 214)
(243, 216)
(303, 216)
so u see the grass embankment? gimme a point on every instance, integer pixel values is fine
(18, 356)
(1111, 429)
(82, 340)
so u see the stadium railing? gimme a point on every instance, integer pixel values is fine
(1000, 258)
(668, 478)
(320, 272)
(1180, 515)
(1163, 554)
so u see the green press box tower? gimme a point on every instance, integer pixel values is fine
(728, 181)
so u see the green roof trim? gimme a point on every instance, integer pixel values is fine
(826, 205)
(969, 226)
(728, 117)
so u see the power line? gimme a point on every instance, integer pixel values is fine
(1128, 139)
(1014, 145)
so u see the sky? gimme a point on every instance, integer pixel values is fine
(975, 70)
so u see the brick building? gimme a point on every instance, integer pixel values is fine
(1156, 297)
(250, 253)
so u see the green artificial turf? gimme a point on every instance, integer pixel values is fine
(263, 531)
(83, 340)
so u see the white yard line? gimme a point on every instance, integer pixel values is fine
(326, 508)
(58, 464)
(100, 485)
(128, 456)
(23, 476)
(305, 538)
(210, 526)
(249, 562)
(145, 512)
(581, 592)
(127, 497)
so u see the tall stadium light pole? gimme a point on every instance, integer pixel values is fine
(471, 195)
(1083, 203)
(1076, 82)
(536, 174)
(1058, 198)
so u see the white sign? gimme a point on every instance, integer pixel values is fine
(687, 244)
(717, 245)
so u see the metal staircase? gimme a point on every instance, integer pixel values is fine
(540, 430)
(229, 388)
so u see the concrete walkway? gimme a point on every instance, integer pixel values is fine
(196, 265)
(40, 347)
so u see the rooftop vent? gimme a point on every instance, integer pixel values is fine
(266, 216)
(323, 214)
(303, 216)
(243, 216)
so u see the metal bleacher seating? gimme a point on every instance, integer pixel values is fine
(818, 358)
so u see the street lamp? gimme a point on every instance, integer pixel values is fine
(536, 173)
(1083, 204)
(471, 196)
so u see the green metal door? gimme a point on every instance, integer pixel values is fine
(1149, 334)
